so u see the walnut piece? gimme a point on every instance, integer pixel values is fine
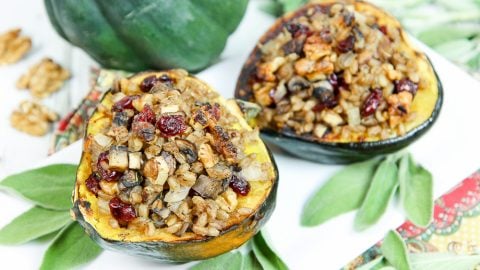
(13, 46)
(32, 118)
(43, 78)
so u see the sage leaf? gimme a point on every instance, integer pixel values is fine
(230, 261)
(290, 5)
(379, 194)
(443, 261)
(49, 187)
(33, 224)
(71, 248)
(250, 262)
(342, 193)
(373, 264)
(267, 258)
(440, 34)
(416, 192)
(395, 251)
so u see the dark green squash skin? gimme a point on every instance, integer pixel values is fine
(327, 152)
(137, 35)
(181, 251)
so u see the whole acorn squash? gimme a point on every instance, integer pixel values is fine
(104, 200)
(136, 35)
(340, 82)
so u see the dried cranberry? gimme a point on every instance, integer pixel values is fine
(148, 83)
(346, 45)
(406, 85)
(372, 102)
(146, 115)
(171, 125)
(239, 185)
(214, 111)
(337, 81)
(298, 29)
(93, 184)
(102, 167)
(123, 212)
(331, 103)
(124, 103)
(383, 29)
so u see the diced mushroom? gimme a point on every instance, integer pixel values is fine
(135, 160)
(208, 187)
(131, 178)
(219, 171)
(172, 163)
(176, 195)
(118, 158)
(144, 130)
(188, 149)
(297, 83)
(206, 155)
(120, 119)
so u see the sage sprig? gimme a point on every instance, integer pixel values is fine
(50, 189)
(416, 191)
(350, 184)
(71, 248)
(260, 257)
(380, 193)
(369, 186)
(33, 224)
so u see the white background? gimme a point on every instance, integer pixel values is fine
(449, 150)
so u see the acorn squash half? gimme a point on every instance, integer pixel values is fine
(340, 82)
(104, 200)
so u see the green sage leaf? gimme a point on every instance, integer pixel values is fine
(342, 193)
(230, 261)
(395, 251)
(379, 194)
(34, 223)
(250, 262)
(416, 192)
(265, 254)
(443, 261)
(373, 264)
(440, 34)
(290, 5)
(49, 187)
(72, 247)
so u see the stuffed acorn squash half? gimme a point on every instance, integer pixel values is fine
(172, 171)
(339, 82)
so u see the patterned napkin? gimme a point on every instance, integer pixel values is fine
(455, 228)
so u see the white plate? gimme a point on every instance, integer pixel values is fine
(449, 150)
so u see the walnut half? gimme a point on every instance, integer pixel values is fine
(32, 118)
(13, 46)
(43, 78)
